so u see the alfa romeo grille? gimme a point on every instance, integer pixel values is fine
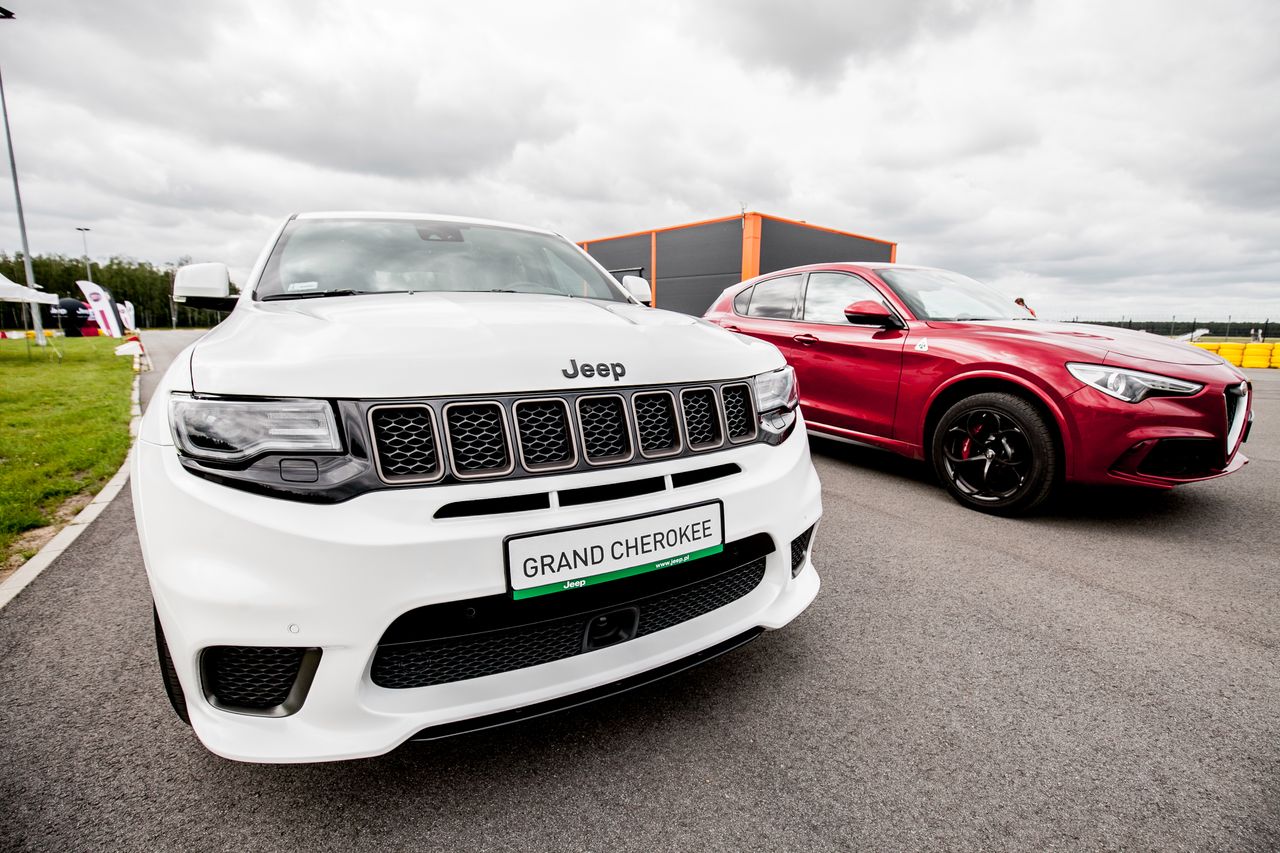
(656, 428)
(478, 439)
(424, 441)
(406, 441)
(546, 441)
(605, 436)
(739, 416)
(701, 418)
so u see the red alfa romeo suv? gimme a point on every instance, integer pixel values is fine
(936, 366)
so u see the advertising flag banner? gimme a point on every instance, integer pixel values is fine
(100, 303)
(126, 314)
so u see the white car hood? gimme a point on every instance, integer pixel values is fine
(451, 344)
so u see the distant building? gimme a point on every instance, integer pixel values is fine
(690, 265)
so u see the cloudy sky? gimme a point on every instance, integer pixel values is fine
(1102, 159)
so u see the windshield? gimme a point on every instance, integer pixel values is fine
(942, 295)
(319, 257)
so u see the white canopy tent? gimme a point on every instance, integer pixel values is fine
(11, 291)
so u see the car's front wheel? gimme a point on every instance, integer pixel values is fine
(996, 453)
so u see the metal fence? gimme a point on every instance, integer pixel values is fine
(1173, 326)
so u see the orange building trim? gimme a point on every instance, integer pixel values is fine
(750, 245)
(653, 269)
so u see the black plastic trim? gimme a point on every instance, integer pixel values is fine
(612, 491)
(292, 703)
(574, 700)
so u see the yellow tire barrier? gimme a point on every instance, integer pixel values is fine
(1253, 363)
(1210, 347)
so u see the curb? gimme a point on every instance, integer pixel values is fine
(53, 549)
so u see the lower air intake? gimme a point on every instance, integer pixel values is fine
(267, 680)
(799, 548)
(445, 660)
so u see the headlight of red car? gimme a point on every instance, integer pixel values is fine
(1132, 386)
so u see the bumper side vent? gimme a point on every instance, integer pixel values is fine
(1178, 458)
(269, 681)
(800, 547)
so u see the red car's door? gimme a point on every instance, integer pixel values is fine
(851, 374)
(768, 312)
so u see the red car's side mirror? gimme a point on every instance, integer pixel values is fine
(868, 312)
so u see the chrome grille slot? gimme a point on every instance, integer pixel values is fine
(657, 430)
(544, 434)
(739, 413)
(405, 440)
(701, 418)
(602, 422)
(478, 441)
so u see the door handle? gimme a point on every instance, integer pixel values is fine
(729, 327)
(804, 339)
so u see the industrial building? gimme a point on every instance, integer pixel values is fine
(690, 265)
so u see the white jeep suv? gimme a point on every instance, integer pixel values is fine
(436, 474)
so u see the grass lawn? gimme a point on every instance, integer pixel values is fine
(64, 427)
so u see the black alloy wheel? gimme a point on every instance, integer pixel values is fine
(172, 686)
(995, 453)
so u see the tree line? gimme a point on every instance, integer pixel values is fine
(147, 286)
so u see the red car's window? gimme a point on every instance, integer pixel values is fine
(776, 299)
(829, 293)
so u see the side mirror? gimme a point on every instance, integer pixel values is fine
(204, 286)
(638, 287)
(868, 312)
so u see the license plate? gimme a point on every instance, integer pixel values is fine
(578, 557)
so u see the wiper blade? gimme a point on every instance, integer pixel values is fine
(312, 294)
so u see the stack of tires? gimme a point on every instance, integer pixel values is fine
(1211, 346)
(1257, 355)
(1232, 352)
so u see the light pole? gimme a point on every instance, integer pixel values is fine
(84, 234)
(6, 15)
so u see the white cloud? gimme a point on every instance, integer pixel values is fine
(1099, 159)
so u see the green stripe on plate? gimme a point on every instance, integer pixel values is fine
(580, 583)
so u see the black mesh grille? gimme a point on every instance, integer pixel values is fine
(255, 677)
(544, 433)
(476, 438)
(799, 546)
(604, 428)
(739, 416)
(421, 664)
(656, 423)
(405, 441)
(1183, 458)
(701, 420)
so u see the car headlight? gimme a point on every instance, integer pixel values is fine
(1132, 386)
(233, 430)
(776, 390)
(777, 396)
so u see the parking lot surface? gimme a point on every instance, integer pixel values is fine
(1106, 674)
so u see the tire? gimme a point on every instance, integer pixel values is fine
(172, 686)
(996, 453)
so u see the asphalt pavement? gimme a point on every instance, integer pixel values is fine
(1105, 675)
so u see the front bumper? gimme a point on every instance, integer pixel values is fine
(1161, 442)
(230, 568)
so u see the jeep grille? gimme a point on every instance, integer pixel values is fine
(419, 441)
